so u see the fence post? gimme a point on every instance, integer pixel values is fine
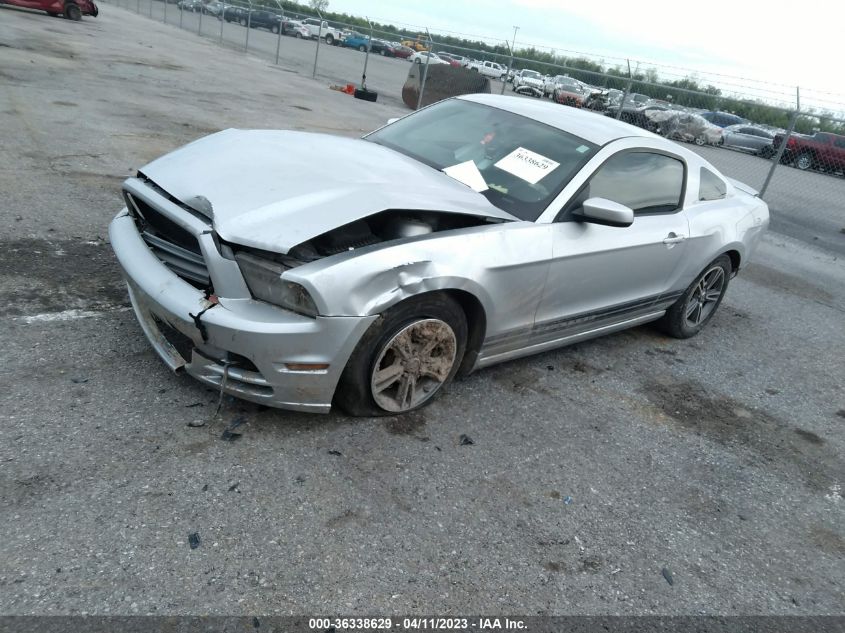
(222, 20)
(782, 148)
(425, 68)
(625, 93)
(199, 26)
(507, 74)
(151, 9)
(317, 52)
(279, 40)
(367, 55)
(181, 11)
(165, 11)
(248, 27)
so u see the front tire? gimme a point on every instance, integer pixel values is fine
(73, 12)
(804, 161)
(329, 39)
(689, 314)
(405, 358)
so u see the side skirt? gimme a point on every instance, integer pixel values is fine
(486, 360)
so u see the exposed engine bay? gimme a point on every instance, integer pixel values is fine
(381, 227)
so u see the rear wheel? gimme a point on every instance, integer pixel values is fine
(362, 48)
(274, 28)
(299, 36)
(73, 12)
(689, 314)
(329, 39)
(243, 21)
(700, 140)
(412, 352)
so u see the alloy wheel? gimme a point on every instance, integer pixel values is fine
(705, 297)
(413, 365)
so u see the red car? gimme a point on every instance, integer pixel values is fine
(71, 9)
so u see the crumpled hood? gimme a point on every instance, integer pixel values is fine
(274, 189)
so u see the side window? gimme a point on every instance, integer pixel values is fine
(839, 141)
(712, 187)
(644, 181)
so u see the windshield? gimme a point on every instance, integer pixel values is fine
(517, 163)
(532, 74)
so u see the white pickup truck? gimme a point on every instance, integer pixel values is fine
(322, 30)
(488, 69)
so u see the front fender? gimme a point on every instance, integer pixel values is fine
(503, 266)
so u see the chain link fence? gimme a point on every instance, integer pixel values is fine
(795, 157)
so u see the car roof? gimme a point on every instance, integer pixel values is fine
(595, 128)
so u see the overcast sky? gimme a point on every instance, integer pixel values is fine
(766, 40)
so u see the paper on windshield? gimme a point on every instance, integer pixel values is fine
(528, 165)
(468, 174)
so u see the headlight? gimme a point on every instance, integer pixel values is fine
(264, 279)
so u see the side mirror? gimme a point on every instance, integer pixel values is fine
(606, 212)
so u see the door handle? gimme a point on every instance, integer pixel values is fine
(673, 238)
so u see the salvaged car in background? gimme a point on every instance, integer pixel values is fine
(302, 270)
(71, 9)
(568, 91)
(684, 126)
(749, 138)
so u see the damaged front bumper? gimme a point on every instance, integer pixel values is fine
(252, 349)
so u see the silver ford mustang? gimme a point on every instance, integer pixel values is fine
(303, 270)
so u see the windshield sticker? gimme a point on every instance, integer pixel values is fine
(468, 174)
(528, 165)
(581, 149)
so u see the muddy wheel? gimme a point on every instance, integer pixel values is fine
(73, 12)
(689, 314)
(409, 355)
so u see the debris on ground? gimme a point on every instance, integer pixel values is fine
(841, 413)
(205, 488)
(229, 434)
(550, 367)
(772, 392)
(335, 453)
(79, 381)
(567, 500)
(234, 487)
(195, 404)
(299, 480)
(668, 576)
(465, 440)
(196, 423)
(194, 540)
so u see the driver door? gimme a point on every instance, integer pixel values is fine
(605, 275)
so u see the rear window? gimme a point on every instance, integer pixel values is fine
(712, 187)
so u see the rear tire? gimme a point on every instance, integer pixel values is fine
(362, 48)
(422, 340)
(73, 12)
(274, 29)
(330, 39)
(689, 314)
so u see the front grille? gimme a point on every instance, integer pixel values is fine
(176, 247)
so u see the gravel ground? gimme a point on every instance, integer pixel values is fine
(595, 471)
